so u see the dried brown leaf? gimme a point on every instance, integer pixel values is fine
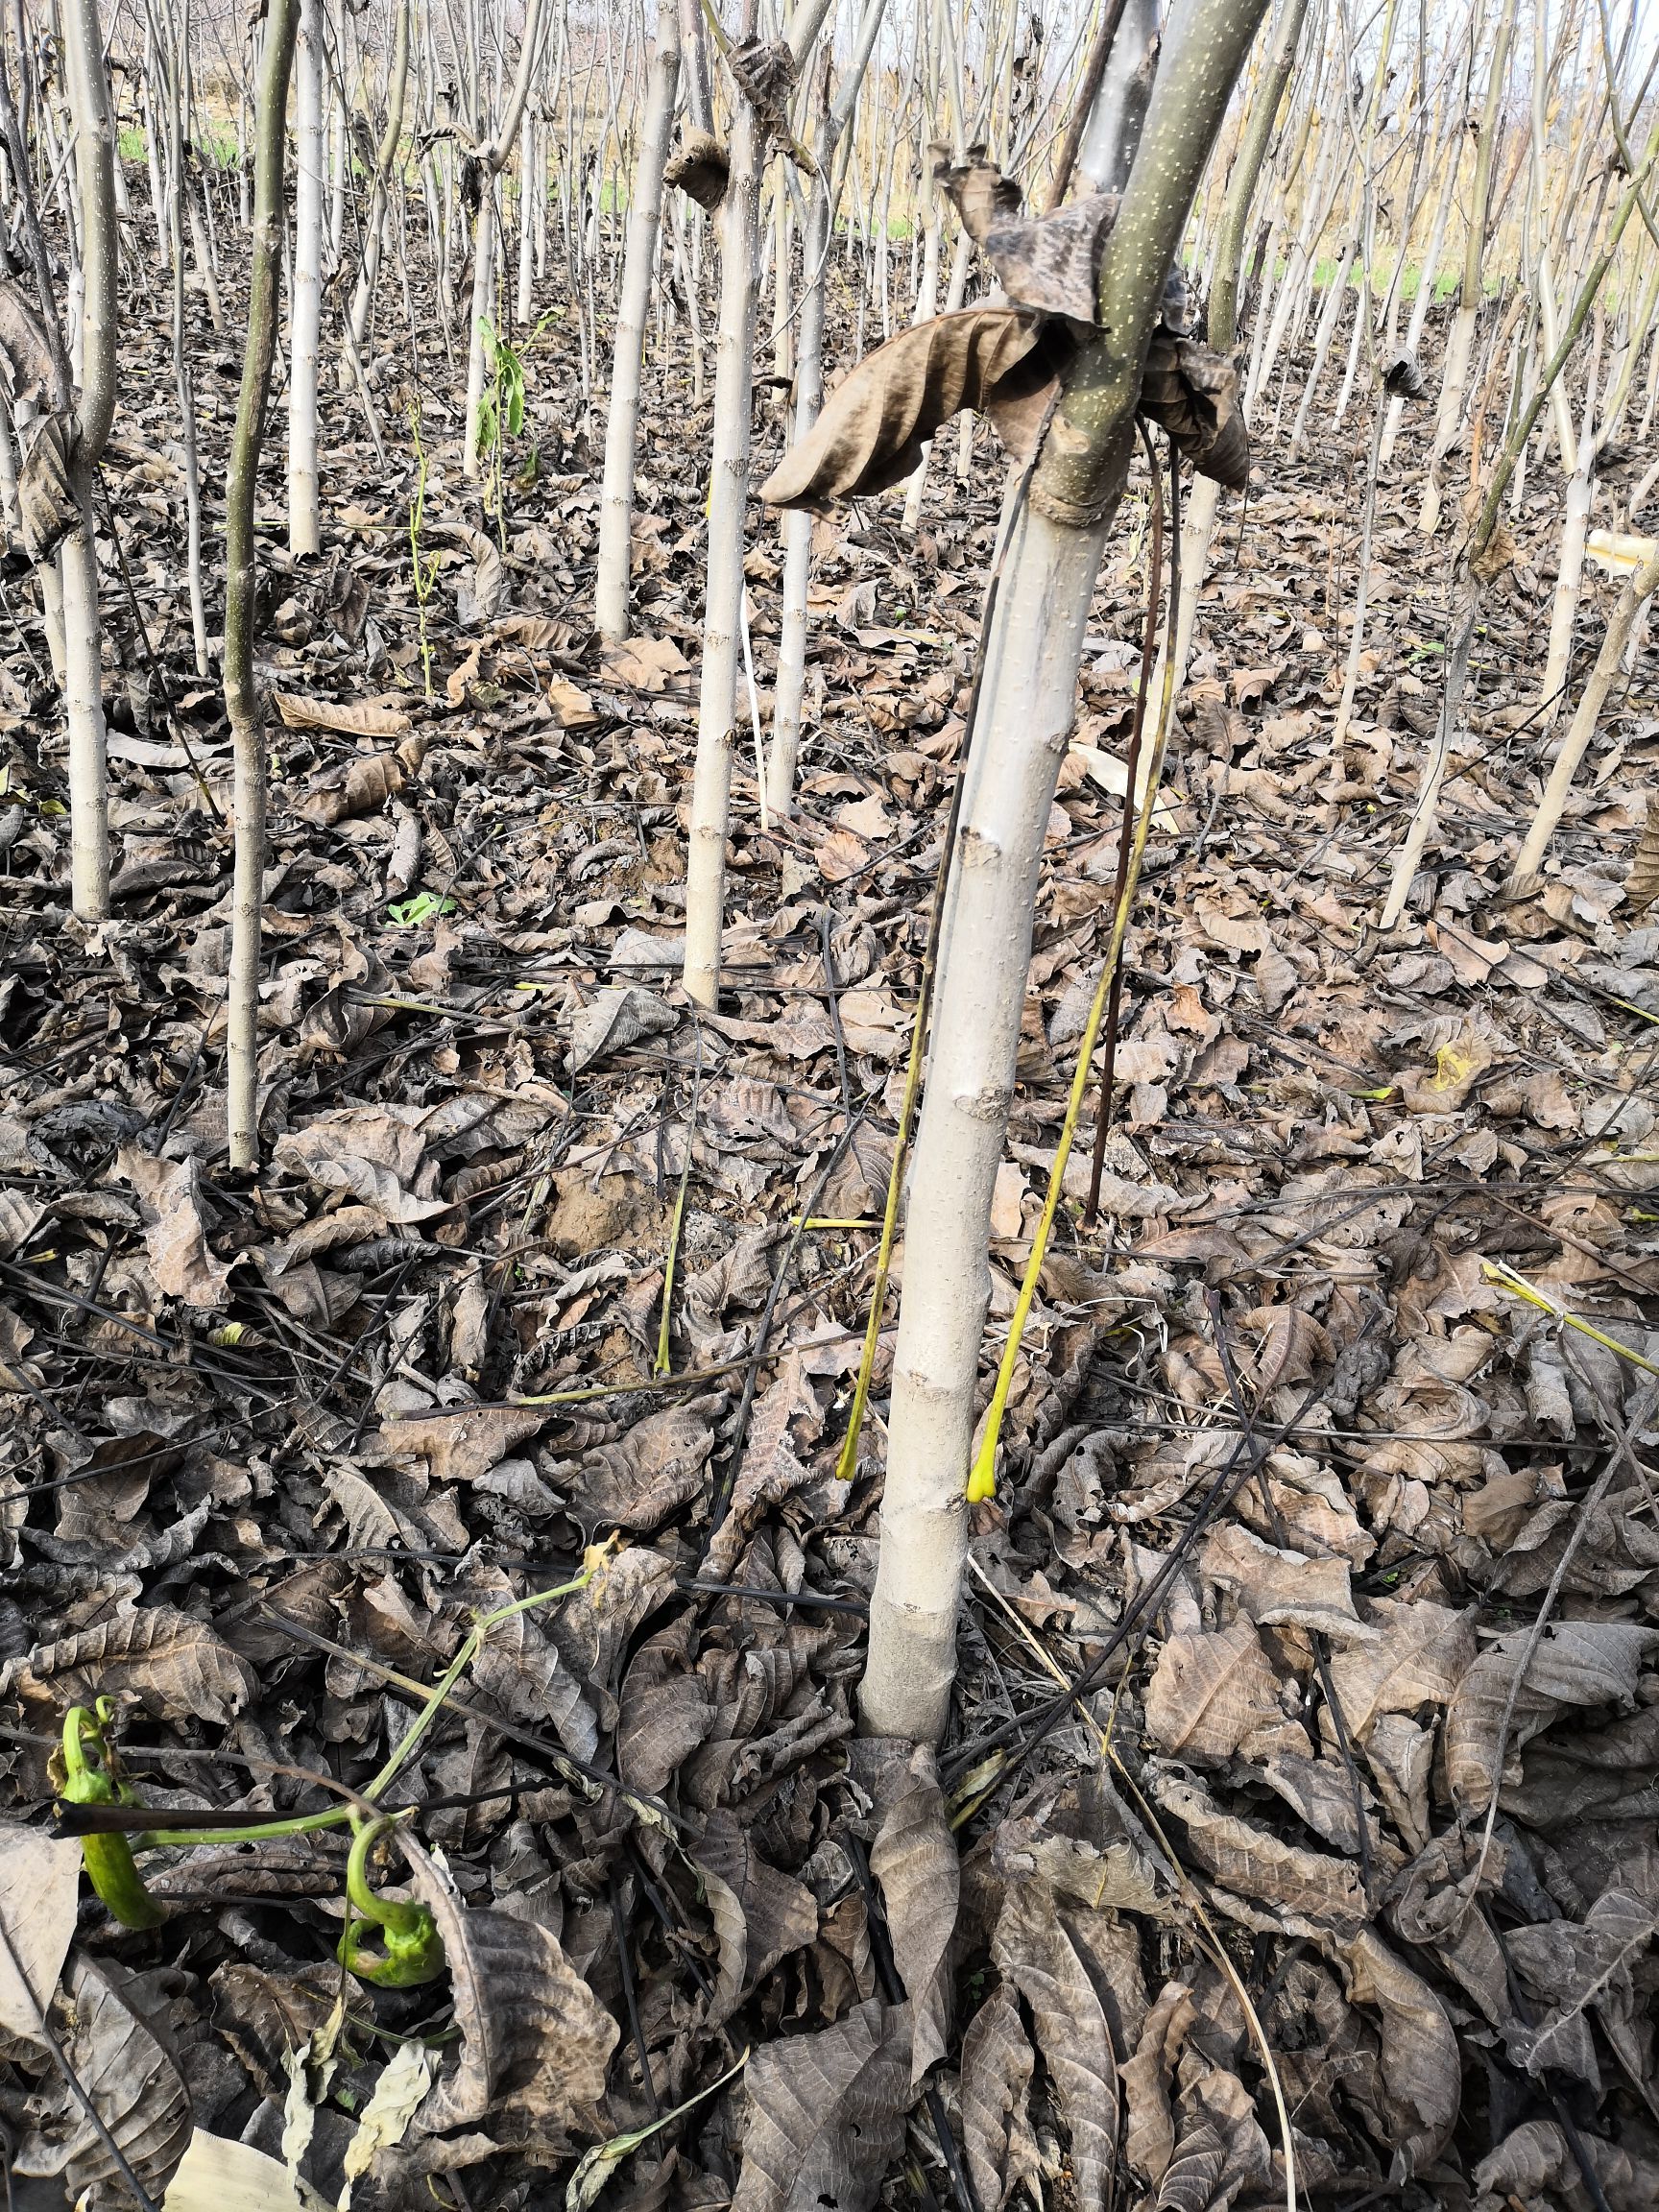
(1577, 1663)
(348, 717)
(1574, 1969)
(1194, 394)
(39, 1886)
(827, 2114)
(1278, 1587)
(463, 1442)
(124, 2063)
(645, 1477)
(1420, 2067)
(760, 1914)
(1642, 883)
(1304, 1890)
(1033, 1951)
(535, 2041)
(619, 1016)
(176, 1665)
(1211, 1692)
(700, 168)
(876, 421)
(1149, 2140)
(1424, 1653)
(915, 1860)
(174, 1228)
(998, 2064)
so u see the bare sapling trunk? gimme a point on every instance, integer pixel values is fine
(728, 502)
(306, 313)
(1638, 587)
(1421, 304)
(385, 163)
(167, 103)
(1580, 498)
(491, 158)
(88, 89)
(622, 423)
(1460, 340)
(790, 686)
(723, 588)
(1229, 266)
(1028, 706)
(1466, 588)
(241, 695)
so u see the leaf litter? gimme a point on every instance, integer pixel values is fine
(1350, 1816)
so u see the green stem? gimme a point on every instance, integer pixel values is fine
(91, 1776)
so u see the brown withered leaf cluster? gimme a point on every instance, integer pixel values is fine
(1349, 1544)
(1007, 363)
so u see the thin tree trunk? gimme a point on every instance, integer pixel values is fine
(95, 410)
(385, 162)
(1460, 343)
(789, 687)
(1638, 587)
(1027, 705)
(727, 499)
(241, 694)
(723, 590)
(1228, 266)
(622, 423)
(492, 160)
(305, 312)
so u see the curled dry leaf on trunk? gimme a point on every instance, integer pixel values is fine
(1007, 363)
(1192, 395)
(1049, 262)
(827, 2114)
(122, 2056)
(47, 509)
(875, 422)
(701, 168)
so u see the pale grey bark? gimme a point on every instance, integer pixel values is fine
(306, 313)
(492, 160)
(94, 411)
(1027, 705)
(728, 495)
(241, 695)
(1638, 587)
(622, 423)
